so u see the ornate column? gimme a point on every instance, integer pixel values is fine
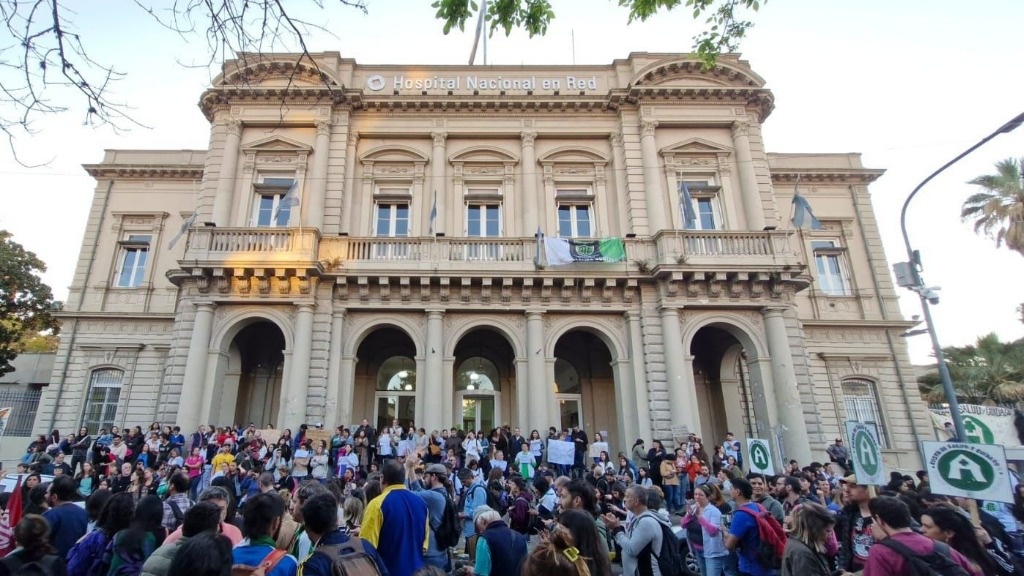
(749, 190)
(539, 416)
(348, 222)
(435, 387)
(787, 395)
(653, 192)
(333, 414)
(438, 184)
(318, 191)
(528, 198)
(190, 404)
(228, 170)
(682, 391)
(636, 350)
(293, 409)
(624, 216)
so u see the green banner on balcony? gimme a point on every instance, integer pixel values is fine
(560, 251)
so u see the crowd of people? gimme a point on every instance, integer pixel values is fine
(401, 502)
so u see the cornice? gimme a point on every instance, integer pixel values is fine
(222, 96)
(896, 324)
(858, 175)
(144, 171)
(73, 315)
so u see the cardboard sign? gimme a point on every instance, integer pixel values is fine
(866, 453)
(681, 433)
(760, 456)
(968, 470)
(316, 435)
(560, 452)
(597, 447)
(270, 435)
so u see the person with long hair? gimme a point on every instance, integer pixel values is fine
(703, 525)
(87, 555)
(32, 535)
(583, 532)
(203, 555)
(945, 524)
(133, 545)
(805, 555)
(86, 479)
(556, 556)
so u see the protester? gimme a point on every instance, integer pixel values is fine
(643, 532)
(500, 551)
(395, 523)
(897, 543)
(320, 514)
(809, 528)
(203, 555)
(202, 518)
(86, 557)
(67, 521)
(946, 524)
(263, 516)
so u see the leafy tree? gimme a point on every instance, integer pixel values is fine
(723, 32)
(986, 370)
(998, 211)
(25, 302)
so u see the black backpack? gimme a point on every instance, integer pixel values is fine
(449, 530)
(939, 562)
(498, 501)
(670, 561)
(179, 514)
(47, 566)
(349, 559)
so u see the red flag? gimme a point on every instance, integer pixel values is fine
(9, 520)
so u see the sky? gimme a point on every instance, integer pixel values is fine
(908, 84)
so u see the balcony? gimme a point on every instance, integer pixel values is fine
(242, 248)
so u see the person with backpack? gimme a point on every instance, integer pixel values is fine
(643, 541)
(263, 516)
(177, 502)
(202, 518)
(754, 533)
(899, 551)
(474, 495)
(88, 556)
(396, 522)
(444, 526)
(35, 555)
(335, 551)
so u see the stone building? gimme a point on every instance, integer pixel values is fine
(402, 281)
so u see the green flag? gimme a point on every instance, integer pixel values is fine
(561, 251)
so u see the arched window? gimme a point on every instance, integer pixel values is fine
(397, 374)
(860, 398)
(567, 378)
(478, 373)
(101, 400)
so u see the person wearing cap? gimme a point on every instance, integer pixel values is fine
(853, 525)
(839, 454)
(432, 487)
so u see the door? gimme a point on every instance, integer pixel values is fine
(570, 410)
(479, 413)
(391, 406)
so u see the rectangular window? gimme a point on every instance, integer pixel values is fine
(574, 221)
(101, 400)
(134, 256)
(392, 222)
(269, 193)
(483, 221)
(828, 259)
(861, 403)
(703, 202)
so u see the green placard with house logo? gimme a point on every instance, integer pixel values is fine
(968, 470)
(760, 456)
(866, 453)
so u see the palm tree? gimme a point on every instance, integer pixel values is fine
(999, 210)
(988, 370)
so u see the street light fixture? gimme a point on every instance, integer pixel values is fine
(908, 275)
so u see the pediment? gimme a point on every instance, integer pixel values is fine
(483, 154)
(261, 71)
(276, 144)
(690, 72)
(573, 155)
(695, 146)
(393, 153)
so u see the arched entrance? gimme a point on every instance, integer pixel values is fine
(585, 386)
(256, 366)
(484, 381)
(723, 384)
(385, 379)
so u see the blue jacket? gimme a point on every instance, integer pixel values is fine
(320, 564)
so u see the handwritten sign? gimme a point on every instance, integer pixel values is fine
(560, 452)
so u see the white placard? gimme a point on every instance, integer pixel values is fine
(968, 470)
(866, 454)
(760, 455)
(499, 464)
(681, 432)
(560, 452)
(983, 424)
(597, 447)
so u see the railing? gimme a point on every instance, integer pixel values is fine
(723, 243)
(428, 250)
(23, 404)
(256, 244)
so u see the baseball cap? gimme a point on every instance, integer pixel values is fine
(851, 479)
(439, 469)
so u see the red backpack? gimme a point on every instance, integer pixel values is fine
(772, 535)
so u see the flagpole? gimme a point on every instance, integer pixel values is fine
(812, 292)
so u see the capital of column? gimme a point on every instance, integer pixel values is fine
(234, 126)
(323, 127)
(647, 126)
(439, 138)
(528, 138)
(353, 138)
(740, 129)
(339, 313)
(205, 305)
(305, 306)
(534, 314)
(773, 311)
(435, 314)
(616, 139)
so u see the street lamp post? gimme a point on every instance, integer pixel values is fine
(908, 275)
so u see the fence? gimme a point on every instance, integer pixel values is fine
(24, 404)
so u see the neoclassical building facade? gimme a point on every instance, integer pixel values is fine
(365, 246)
